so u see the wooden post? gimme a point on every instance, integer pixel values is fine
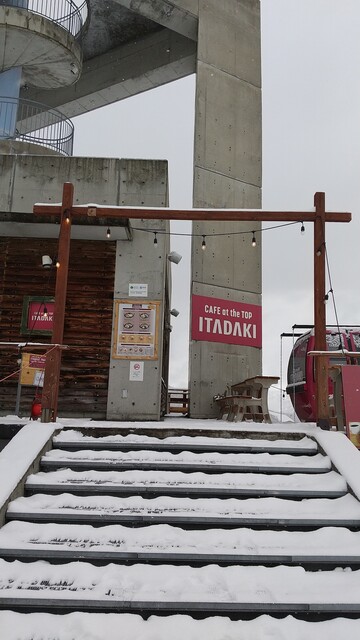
(50, 392)
(321, 364)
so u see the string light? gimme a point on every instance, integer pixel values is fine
(67, 218)
(45, 312)
(155, 238)
(302, 230)
(57, 263)
(213, 235)
(108, 232)
(203, 244)
(253, 241)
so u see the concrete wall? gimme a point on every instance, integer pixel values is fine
(227, 173)
(25, 180)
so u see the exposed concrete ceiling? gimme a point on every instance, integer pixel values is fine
(130, 46)
(111, 26)
(171, 15)
(22, 225)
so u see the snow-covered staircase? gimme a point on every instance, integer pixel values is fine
(236, 525)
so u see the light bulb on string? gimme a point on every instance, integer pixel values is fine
(326, 297)
(302, 230)
(320, 249)
(203, 244)
(108, 232)
(45, 312)
(253, 241)
(155, 239)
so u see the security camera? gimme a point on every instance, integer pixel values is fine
(46, 262)
(174, 312)
(174, 257)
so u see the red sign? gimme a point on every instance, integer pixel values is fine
(37, 362)
(217, 320)
(40, 316)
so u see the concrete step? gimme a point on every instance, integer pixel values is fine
(18, 626)
(187, 462)
(148, 590)
(162, 544)
(171, 483)
(188, 513)
(252, 443)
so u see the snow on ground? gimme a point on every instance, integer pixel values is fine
(19, 454)
(90, 626)
(232, 584)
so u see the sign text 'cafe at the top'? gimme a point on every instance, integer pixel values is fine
(217, 320)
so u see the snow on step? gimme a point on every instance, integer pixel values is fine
(173, 480)
(147, 458)
(346, 508)
(186, 442)
(272, 587)
(97, 626)
(325, 542)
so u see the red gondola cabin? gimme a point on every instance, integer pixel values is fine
(301, 367)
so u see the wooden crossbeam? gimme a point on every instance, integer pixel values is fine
(205, 215)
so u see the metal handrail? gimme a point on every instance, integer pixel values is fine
(71, 15)
(35, 123)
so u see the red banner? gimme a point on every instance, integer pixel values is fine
(217, 320)
(40, 316)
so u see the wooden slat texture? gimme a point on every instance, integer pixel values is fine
(88, 323)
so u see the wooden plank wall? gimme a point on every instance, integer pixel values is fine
(88, 324)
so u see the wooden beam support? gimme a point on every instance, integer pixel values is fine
(321, 364)
(50, 392)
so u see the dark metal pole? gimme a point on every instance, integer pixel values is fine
(53, 359)
(321, 364)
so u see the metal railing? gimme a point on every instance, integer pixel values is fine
(71, 15)
(35, 123)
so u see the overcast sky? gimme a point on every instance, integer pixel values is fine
(311, 142)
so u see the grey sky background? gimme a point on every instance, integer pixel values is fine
(311, 142)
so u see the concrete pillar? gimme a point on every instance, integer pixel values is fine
(140, 264)
(227, 173)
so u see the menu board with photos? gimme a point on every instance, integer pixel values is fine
(136, 330)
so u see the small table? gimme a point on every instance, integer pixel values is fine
(248, 399)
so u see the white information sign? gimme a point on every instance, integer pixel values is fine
(138, 290)
(136, 371)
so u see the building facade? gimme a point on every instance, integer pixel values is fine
(100, 53)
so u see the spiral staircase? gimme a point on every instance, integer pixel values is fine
(40, 47)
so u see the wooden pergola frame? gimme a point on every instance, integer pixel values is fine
(68, 211)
